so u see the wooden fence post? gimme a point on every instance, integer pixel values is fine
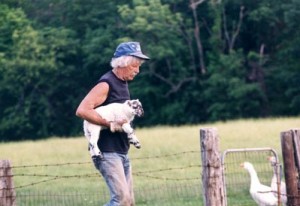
(7, 192)
(290, 153)
(212, 177)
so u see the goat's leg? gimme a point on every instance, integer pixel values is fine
(127, 128)
(132, 138)
(94, 131)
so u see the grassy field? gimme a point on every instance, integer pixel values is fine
(169, 156)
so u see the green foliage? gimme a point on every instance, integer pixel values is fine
(227, 92)
(53, 52)
(32, 69)
(155, 21)
(284, 73)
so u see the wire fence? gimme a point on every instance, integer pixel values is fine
(165, 185)
(169, 194)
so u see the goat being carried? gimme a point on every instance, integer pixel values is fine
(112, 113)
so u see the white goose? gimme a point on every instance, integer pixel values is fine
(283, 197)
(260, 193)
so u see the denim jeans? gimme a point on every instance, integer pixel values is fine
(116, 170)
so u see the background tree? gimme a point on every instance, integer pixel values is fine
(284, 71)
(32, 77)
(210, 60)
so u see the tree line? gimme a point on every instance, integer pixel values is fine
(210, 60)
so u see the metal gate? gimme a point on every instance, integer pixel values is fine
(237, 180)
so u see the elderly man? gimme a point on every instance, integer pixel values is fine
(112, 87)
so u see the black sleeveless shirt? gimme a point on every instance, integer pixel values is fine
(118, 93)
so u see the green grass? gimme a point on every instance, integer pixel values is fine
(152, 164)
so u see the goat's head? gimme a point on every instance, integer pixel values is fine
(136, 107)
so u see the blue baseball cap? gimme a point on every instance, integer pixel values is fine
(130, 49)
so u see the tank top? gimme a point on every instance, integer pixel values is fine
(118, 93)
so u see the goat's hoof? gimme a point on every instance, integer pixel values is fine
(138, 146)
(99, 156)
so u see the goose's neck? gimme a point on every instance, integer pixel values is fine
(274, 172)
(254, 177)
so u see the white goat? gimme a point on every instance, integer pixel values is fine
(112, 113)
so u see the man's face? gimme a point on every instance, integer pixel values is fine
(131, 71)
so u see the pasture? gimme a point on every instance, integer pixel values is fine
(167, 169)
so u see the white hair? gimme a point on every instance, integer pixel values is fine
(124, 61)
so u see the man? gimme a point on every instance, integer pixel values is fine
(112, 87)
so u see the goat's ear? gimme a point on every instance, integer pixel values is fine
(129, 103)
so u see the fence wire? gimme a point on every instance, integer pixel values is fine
(166, 185)
(166, 195)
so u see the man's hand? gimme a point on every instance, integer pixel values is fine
(116, 126)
